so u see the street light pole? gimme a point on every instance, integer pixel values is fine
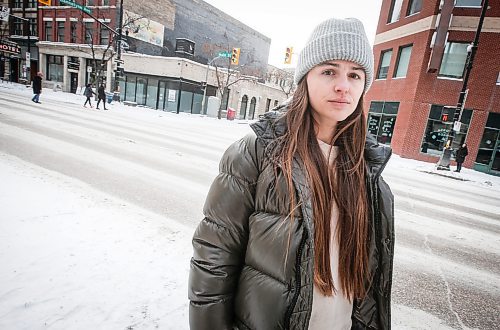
(444, 160)
(206, 83)
(119, 45)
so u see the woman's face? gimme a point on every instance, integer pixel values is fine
(334, 90)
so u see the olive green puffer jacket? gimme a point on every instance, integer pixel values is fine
(245, 273)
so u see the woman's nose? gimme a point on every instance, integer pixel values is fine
(342, 84)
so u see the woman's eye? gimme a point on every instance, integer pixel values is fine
(328, 72)
(355, 76)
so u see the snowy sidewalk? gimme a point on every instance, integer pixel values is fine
(74, 258)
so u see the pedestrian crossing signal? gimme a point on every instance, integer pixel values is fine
(288, 55)
(45, 2)
(235, 56)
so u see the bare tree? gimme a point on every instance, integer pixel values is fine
(284, 80)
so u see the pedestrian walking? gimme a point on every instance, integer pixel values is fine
(298, 230)
(37, 87)
(88, 92)
(101, 95)
(460, 155)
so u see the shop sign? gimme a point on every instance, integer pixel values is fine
(73, 65)
(10, 47)
(4, 13)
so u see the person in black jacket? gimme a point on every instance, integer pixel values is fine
(37, 87)
(462, 152)
(101, 95)
(298, 230)
(88, 92)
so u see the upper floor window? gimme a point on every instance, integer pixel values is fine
(60, 31)
(468, 3)
(403, 61)
(395, 11)
(17, 28)
(89, 30)
(105, 2)
(48, 30)
(72, 29)
(414, 7)
(33, 27)
(32, 3)
(385, 61)
(454, 58)
(18, 4)
(104, 36)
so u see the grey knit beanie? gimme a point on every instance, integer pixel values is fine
(337, 39)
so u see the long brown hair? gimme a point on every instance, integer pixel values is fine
(343, 184)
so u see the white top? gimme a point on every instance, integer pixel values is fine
(334, 312)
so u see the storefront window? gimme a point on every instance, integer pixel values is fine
(186, 101)
(152, 93)
(55, 68)
(141, 91)
(382, 119)
(438, 126)
(130, 89)
(488, 156)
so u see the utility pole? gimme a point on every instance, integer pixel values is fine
(118, 48)
(444, 160)
(206, 83)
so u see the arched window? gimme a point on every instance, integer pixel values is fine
(251, 112)
(243, 108)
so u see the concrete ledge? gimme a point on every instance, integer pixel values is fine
(130, 103)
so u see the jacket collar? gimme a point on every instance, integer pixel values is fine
(273, 125)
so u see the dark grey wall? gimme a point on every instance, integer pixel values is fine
(210, 29)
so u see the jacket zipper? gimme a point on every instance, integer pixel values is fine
(288, 314)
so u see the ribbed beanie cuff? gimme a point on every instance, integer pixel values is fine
(337, 39)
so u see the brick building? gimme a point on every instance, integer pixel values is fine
(420, 54)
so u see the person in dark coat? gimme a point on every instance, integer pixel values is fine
(101, 95)
(88, 92)
(462, 152)
(37, 87)
(298, 230)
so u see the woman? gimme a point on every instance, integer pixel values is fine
(37, 87)
(462, 152)
(101, 95)
(88, 92)
(298, 229)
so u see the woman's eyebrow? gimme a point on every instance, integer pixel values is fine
(356, 68)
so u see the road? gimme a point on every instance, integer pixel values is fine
(447, 263)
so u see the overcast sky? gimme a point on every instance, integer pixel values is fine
(289, 23)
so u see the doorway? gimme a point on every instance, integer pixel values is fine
(73, 82)
(243, 108)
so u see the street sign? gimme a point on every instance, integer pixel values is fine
(225, 54)
(456, 126)
(117, 61)
(28, 60)
(4, 13)
(76, 5)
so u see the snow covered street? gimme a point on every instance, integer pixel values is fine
(97, 210)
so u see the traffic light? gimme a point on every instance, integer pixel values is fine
(45, 2)
(235, 56)
(288, 55)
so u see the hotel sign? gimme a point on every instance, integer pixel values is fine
(10, 47)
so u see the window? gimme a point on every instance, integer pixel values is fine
(488, 154)
(48, 31)
(104, 36)
(88, 32)
(33, 27)
(268, 104)
(89, 3)
(454, 58)
(403, 61)
(275, 103)
(55, 68)
(385, 61)
(439, 124)
(395, 11)
(60, 31)
(17, 28)
(382, 119)
(18, 4)
(468, 3)
(72, 28)
(105, 3)
(414, 7)
(32, 3)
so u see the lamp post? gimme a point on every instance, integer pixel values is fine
(206, 83)
(118, 48)
(444, 160)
